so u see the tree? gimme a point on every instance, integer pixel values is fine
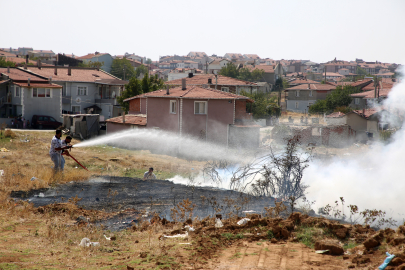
(278, 174)
(264, 104)
(121, 66)
(337, 98)
(5, 63)
(229, 70)
(246, 74)
(136, 87)
(361, 71)
(141, 70)
(148, 61)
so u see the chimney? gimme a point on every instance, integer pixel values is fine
(8, 69)
(183, 84)
(167, 90)
(29, 81)
(69, 71)
(39, 64)
(56, 71)
(123, 117)
(364, 111)
(50, 80)
(309, 86)
(25, 66)
(26, 59)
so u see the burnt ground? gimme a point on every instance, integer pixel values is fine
(131, 197)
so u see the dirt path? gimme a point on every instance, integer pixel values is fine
(262, 255)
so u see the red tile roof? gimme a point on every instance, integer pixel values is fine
(252, 56)
(191, 92)
(366, 113)
(91, 55)
(77, 74)
(7, 54)
(324, 87)
(39, 85)
(302, 81)
(265, 68)
(201, 79)
(130, 119)
(20, 61)
(361, 82)
(17, 74)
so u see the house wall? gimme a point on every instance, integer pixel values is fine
(358, 124)
(175, 76)
(159, 115)
(144, 106)
(106, 58)
(335, 120)
(134, 106)
(362, 104)
(372, 126)
(302, 105)
(41, 105)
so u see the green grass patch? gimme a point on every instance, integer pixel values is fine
(236, 255)
(270, 234)
(307, 235)
(231, 236)
(350, 245)
(9, 266)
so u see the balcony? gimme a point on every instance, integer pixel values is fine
(111, 101)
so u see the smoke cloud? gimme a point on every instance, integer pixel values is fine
(371, 180)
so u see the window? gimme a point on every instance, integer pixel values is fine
(296, 105)
(173, 106)
(357, 101)
(52, 119)
(297, 93)
(76, 109)
(310, 93)
(82, 91)
(17, 91)
(200, 107)
(41, 92)
(225, 89)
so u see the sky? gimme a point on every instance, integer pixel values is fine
(319, 31)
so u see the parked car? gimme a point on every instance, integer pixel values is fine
(44, 121)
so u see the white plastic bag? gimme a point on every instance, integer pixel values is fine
(243, 221)
(218, 223)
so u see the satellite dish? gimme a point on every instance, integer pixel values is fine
(78, 100)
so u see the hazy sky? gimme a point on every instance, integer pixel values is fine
(310, 29)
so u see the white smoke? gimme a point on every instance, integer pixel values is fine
(372, 180)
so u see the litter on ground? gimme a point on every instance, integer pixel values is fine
(87, 243)
(4, 150)
(176, 236)
(243, 221)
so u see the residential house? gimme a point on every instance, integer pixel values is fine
(219, 82)
(197, 54)
(371, 97)
(105, 58)
(271, 73)
(215, 66)
(83, 88)
(46, 56)
(24, 94)
(297, 81)
(204, 113)
(368, 122)
(234, 56)
(180, 73)
(302, 96)
(334, 66)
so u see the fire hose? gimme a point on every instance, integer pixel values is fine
(70, 148)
